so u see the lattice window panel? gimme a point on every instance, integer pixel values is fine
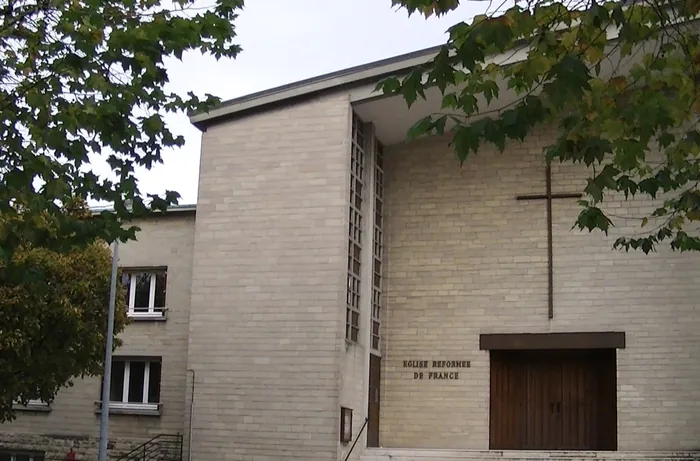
(378, 250)
(357, 167)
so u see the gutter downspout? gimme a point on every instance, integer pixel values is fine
(189, 441)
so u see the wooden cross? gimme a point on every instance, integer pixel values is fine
(548, 196)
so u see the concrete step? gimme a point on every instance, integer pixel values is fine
(404, 454)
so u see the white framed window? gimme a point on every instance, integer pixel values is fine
(21, 456)
(37, 403)
(145, 292)
(135, 384)
(32, 404)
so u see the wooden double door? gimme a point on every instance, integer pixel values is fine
(553, 400)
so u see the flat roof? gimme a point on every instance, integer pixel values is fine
(312, 86)
(185, 208)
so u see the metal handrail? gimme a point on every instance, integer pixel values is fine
(154, 449)
(356, 439)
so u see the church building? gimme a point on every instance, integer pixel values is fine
(340, 292)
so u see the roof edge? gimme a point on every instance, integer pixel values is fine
(306, 88)
(312, 86)
(174, 209)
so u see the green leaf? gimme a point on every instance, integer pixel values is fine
(388, 86)
(594, 190)
(411, 86)
(422, 127)
(439, 125)
(449, 101)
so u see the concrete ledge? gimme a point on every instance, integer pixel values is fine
(160, 317)
(131, 411)
(32, 408)
(403, 454)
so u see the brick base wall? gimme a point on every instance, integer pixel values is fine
(55, 447)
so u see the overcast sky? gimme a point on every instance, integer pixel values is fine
(284, 41)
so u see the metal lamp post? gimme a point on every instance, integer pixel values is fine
(107, 373)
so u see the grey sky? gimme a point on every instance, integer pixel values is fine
(284, 41)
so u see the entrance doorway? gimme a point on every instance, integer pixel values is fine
(375, 369)
(553, 399)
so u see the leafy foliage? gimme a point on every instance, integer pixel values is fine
(427, 7)
(53, 318)
(618, 80)
(85, 79)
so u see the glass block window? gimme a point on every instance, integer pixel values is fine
(357, 166)
(378, 250)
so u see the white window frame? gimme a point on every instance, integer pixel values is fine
(32, 404)
(144, 404)
(153, 312)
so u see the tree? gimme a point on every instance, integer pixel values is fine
(611, 118)
(82, 80)
(53, 318)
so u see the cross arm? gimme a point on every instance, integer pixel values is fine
(544, 196)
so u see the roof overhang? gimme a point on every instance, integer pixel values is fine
(358, 76)
(389, 114)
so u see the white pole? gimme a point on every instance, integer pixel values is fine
(104, 416)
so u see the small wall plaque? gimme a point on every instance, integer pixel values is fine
(345, 425)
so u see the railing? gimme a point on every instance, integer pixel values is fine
(163, 447)
(356, 439)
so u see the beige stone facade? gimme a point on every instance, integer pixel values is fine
(275, 287)
(269, 284)
(465, 257)
(73, 419)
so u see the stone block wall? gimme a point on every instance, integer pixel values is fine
(56, 447)
(464, 257)
(268, 293)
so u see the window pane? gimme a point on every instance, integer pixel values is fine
(126, 284)
(143, 292)
(116, 389)
(154, 383)
(22, 457)
(354, 333)
(5, 456)
(38, 456)
(136, 382)
(161, 283)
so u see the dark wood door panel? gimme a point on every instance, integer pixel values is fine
(508, 403)
(553, 400)
(375, 370)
